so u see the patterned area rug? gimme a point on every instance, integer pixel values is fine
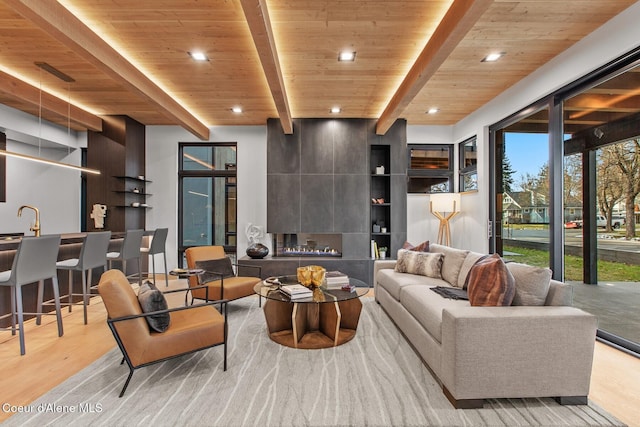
(374, 380)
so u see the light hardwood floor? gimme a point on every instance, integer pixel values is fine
(615, 380)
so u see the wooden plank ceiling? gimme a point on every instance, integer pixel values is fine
(278, 58)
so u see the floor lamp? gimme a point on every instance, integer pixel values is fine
(444, 206)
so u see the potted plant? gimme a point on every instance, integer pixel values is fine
(383, 252)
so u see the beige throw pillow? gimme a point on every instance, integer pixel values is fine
(452, 262)
(532, 283)
(421, 263)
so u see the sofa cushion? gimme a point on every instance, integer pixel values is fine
(421, 247)
(469, 262)
(426, 307)
(151, 299)
(452, 262)
(393, 281)
(560, 294)
(532, 283)
(490, 283)
(422, 263)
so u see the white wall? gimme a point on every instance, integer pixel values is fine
(53, 190)
(421, 224)
(470, 229)
(162, 169)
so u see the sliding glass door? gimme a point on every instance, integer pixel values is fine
(602, 143)
(522, 188)
(572, 204)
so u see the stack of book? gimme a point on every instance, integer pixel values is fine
(297, 291)
(336, 280)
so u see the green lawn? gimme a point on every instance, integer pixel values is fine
(607, 271)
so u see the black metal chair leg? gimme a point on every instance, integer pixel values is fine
(126, 384)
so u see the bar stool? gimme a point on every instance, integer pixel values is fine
(35, 261)
(157, 246)
(93, 254)
(130, 249)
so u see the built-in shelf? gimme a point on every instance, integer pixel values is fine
(133, 178)
(133, 192)
(380, 188)
(131, 196)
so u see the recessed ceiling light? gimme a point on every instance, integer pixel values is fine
(335, 110)
(493, 57)
(432, 110)
(236, 109)
(347, 56)
(198, 56)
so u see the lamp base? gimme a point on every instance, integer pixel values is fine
(444, 231)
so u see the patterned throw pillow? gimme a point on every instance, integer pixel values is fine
(421, 247)
(421, 263)
(151, 299)
(490, 283)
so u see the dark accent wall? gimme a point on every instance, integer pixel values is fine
(119, 150)
(318, 179)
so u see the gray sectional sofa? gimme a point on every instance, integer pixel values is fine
(492, 352)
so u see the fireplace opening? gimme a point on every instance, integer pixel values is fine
(307, 245)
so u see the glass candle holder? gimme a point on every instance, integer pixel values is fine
(317, 275)
(304, 276)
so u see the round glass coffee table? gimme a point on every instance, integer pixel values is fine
(327, 318)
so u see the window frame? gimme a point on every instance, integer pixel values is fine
(464, 172)
(419, 174)
(230, 176)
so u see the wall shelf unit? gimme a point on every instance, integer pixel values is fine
(380, 194)
(133, 195)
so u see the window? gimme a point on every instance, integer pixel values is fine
(207, 196)
(581, 135)
(468, 165)
(430, 168)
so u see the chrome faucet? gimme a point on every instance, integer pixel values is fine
(35, 227)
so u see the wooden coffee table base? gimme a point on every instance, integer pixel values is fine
(312, 325)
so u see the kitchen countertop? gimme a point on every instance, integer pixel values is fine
(11, 242)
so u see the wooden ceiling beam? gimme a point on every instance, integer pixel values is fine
(57, 21)
(459, 19)
(257, 17)
(16, 88)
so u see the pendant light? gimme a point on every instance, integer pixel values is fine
(39, 158)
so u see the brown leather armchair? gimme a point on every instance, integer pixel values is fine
(191, 328)
(230, 286)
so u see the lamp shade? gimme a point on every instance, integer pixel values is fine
(445, 202)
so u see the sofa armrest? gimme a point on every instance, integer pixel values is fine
(379, 265)
(494, 352)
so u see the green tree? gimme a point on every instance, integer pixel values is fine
(507, 175)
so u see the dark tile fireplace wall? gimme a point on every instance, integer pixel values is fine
(318, 181)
